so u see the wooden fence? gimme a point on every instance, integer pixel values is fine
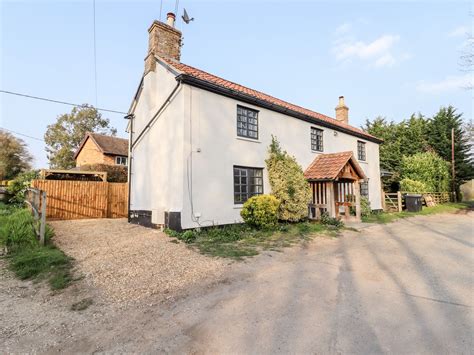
(84, 199)
(394, 202)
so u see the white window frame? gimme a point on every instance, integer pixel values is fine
(119, 159)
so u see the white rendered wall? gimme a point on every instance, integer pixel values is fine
(213, 148)
(157, 170)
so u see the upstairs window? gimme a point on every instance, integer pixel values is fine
(361, 150)
(247, 122)
(121, 161)
(247, 183)
(316, 139)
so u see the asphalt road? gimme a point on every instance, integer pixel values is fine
(402, 288)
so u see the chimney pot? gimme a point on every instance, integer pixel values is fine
(342, 111)
(170, 18)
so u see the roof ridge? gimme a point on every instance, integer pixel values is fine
(217, 80)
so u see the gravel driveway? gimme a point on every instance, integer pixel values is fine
(405, 287)
(129, 262)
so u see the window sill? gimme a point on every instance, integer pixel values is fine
(238, 207)
(248, 139)
(317, 151)
(362, 161)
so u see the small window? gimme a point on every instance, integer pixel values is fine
(361, 150)
(364, 189)
(247, 122)
(247, 183)
(316, 139)
(121, 161)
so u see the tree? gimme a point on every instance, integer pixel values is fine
(288, 184)
(64, 137)
(427, 168)
(14, 156)
(439, 139)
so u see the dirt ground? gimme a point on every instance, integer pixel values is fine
(404, 287)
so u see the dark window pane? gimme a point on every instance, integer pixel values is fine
(247, 122)
(316, 139)
(247, 183)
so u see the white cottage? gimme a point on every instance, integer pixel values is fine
(198, 145)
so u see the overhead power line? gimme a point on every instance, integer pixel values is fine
(21, 134)
(57, 101)
(95, 54)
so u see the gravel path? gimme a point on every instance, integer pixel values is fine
(129, 262)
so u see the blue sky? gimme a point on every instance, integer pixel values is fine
(386, 58)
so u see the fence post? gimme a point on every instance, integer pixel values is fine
(43, 217)
(399, 199)
(383, 199)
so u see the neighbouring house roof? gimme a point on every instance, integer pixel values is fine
(200, 78)
(107, 144)
(329, 166)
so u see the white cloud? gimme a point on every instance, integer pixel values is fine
(387, 60)
(459, 31)
(378, 52)
(344, 28)
(448, 84)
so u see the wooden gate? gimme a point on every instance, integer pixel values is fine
(84, 199)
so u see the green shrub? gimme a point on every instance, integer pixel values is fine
(288, 184)
(115, 173)
(18, 232)
(331, 221)
(428, 169)
(19, 186)
(410, 185)
(261, 211)
(365, 209)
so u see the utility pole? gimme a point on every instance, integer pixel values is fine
(453, 171)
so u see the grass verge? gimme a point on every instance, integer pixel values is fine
(442, 208)
(239, 240)
(26, 257)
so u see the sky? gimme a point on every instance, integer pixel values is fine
(388, 58)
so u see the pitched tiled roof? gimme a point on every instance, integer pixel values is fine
(107, 144)
(210, 78)
(111, 145)
(328, 166)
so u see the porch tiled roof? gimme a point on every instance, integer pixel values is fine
(215, 80)
(328, 166)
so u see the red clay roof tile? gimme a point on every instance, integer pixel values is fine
(328, 166)
(202, 75)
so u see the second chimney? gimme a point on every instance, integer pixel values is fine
(164, 40)
(342, 111)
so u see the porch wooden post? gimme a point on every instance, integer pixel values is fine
(357, 196)
(331, 199)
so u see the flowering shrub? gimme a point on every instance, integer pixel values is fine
(261, 211)
(288, 184)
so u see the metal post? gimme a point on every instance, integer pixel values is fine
(43, 217)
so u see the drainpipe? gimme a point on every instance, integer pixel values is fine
(130, 159)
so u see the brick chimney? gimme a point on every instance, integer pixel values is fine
(342, 111)
(164, 40)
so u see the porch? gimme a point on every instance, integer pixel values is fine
(334, 180)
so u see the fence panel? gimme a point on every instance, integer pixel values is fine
(117, 200)
(83, 199)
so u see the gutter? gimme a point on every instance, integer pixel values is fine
(202, 84)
